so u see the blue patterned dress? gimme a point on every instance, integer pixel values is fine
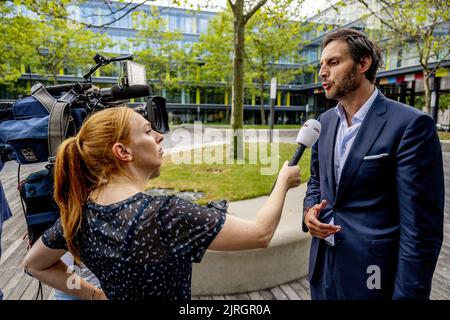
(143, 247)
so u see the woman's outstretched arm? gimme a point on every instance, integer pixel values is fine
(242, 234)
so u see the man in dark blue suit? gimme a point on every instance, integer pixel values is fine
(374, 203)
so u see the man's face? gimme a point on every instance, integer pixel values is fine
(338, 71)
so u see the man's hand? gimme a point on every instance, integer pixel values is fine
(316, 228)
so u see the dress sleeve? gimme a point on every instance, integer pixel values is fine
(189, 228)
(54, 237)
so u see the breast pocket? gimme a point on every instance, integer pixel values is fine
(374, 162)
(373, 173)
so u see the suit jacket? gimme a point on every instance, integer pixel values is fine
(390, 207)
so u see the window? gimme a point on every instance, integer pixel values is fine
(175, 23)
(89, 15)
(212, 96)
(202, 25)
(190, 95)
(74, 12)
(173, 96)
(182, 24)
(124, 22)
(310, 54)
(166, 22)
(188, 25)
(305, 78)
(121, 44)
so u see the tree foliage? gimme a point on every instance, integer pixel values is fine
(35, 34)
(273, 51)
(166, 59)
(424, 24)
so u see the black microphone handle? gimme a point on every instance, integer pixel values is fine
(294, 161)
(58, 88)
(79, 87)
(136, 91)
(297, 155)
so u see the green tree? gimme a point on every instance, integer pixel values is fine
(270, 35)
(33, 36)
(215, 51)
(162, 53)
(61, 44)
(424, 23)
(14, 43)
(243, 11)
(273, 50)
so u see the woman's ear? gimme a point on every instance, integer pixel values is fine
(121, 152)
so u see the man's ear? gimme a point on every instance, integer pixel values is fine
(121, 152)
(365, 63)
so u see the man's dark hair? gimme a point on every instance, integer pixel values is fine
(359, 46)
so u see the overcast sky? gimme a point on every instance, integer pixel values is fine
(310, 7)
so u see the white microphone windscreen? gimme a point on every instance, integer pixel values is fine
(309, 133)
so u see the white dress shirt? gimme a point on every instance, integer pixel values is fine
(344, 140)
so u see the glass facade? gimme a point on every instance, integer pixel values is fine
(95, 13)
(310, 54)
(354, 15)
(305, 90)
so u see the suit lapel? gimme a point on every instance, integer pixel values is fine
(367, 134)
(329, 147)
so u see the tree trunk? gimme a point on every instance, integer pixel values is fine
(426, 89)
(261, 106)
(227, 113)
(237, 110)
(55, 75)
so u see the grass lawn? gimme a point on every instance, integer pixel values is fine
(227, 181)
(444, 135)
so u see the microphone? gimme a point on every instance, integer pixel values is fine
(307, 136)
(117, 93)
(58, 88)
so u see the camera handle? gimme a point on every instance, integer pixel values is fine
(103, 61)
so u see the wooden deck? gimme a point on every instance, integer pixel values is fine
(16, 285)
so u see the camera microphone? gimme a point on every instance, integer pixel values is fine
(117, 93)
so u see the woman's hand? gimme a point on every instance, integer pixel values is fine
(289, 176)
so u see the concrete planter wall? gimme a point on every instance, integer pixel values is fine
(285, 260)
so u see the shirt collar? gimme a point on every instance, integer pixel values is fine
(361, 113)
